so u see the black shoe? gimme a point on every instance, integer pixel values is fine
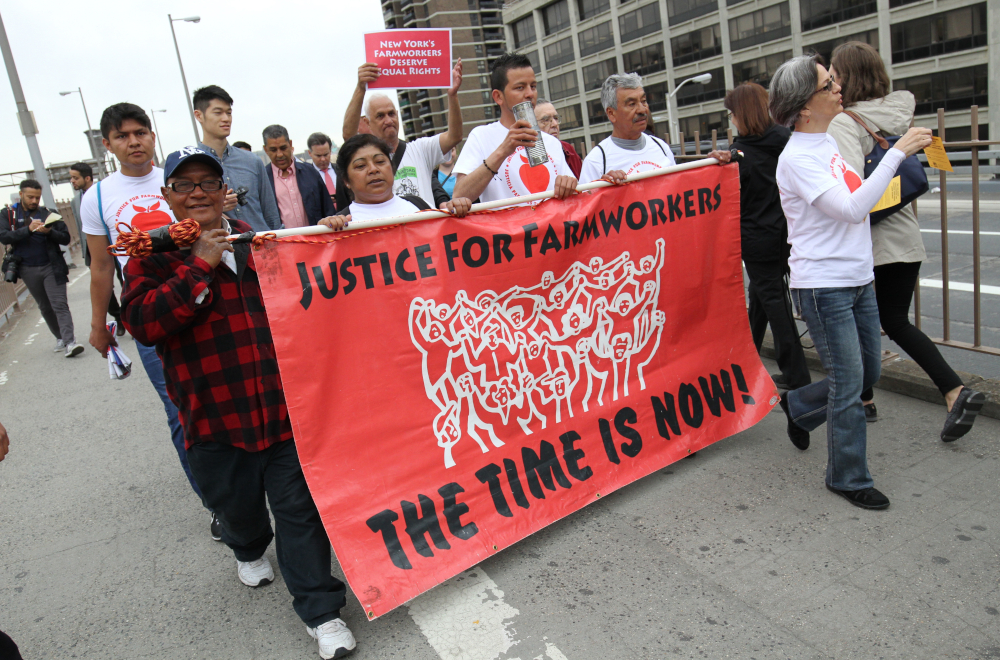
(780, 381)
(119, 328)
(866, 498)
(871, 413)
(216, 528)
(959, 421)
(798, 435)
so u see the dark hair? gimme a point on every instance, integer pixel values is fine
(84, 169)
(748, 103)
(242, 145)
(209, 93)
(317, 139)
(30, 183)
(356, 143)
(275, 131)
(860, 73)
(116, 115)
(503, 64)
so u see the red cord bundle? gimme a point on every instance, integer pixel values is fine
(137, 243)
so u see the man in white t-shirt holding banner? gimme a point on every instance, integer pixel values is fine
(494, 163)
(629, 149)
(132, 196)
(413, 161)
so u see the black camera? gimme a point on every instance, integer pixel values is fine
(10, 268)
(241, 195)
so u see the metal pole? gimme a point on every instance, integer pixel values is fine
(159, 144)
(976, 274)
(187, 94)
(90, 138)
(945, 275)
(26, 119)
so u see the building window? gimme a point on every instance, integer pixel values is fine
(697, 45)
(524, 31)
(555, 17)
(899, 3)
(642, 21)
(694, 93)
(760, 26)
(595, 39)
(646, 60)
(730, 3)
(591, 8)
(488, 112)
(559, 53)
(563, 85)
(656, 96)
(759, 70)
(595, 74)
(704, 124)
(595, 112)
(947, 32)
(597, 138)
(817, 13)
(570, 116)
(679, 11)
(952, 90)
(532, 56)
(825, 48)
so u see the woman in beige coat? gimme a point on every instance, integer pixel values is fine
(896, 241)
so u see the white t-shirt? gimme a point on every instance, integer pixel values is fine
(396, 206)
(413, 176)
(516, 177)
(134, 201)
(826, 253)
(653, 156)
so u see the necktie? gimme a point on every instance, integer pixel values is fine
(331, 187)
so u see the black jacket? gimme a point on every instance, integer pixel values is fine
(763, 228)
(58, 235)
(315, 198)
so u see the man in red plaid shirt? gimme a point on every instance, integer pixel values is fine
(203, 310)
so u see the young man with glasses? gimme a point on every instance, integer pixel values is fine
(204, 311)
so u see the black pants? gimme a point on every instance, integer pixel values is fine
(894, 284)
(234, 483)
(771, 303)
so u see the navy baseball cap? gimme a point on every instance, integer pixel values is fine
(189, 155)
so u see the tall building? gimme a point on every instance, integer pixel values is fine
(941, 50)
(477, 37)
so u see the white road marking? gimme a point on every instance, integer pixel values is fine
(79, 277)
(41, 320)
(466, 618)
(964, 232)
(31, 339)
(961, 286)
(3, 377)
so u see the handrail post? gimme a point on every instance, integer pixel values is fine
(714, 139)
(680, 137)
(945, 286)
(976, 306)
(697, 143)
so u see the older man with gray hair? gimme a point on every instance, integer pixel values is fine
(413, 161)
(548, 120)
(628, 150)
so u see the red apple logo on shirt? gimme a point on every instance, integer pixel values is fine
(852, 180)
(535, 179)
(147, 218)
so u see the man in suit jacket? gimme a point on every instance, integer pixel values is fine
(302, 196)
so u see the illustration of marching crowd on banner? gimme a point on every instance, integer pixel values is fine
(579, 336)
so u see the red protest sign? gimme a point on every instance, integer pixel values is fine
(410, 58)
(455, 385)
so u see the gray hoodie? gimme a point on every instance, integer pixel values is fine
(897, 238)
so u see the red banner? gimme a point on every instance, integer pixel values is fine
(455, 385)
(410, 58)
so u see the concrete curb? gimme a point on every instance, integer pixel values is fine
(906, 377)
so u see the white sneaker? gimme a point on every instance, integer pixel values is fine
(60, 346)
(334, 637)
(255, 573)
(74, 349)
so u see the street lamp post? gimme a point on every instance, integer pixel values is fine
(187, 94)
(90, 137)
(159, 142)
(702, 79)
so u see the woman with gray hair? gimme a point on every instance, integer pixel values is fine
(826, 205)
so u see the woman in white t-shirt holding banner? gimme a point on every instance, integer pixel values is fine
(364, 160)
(826, 204)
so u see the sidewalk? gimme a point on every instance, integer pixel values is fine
(739, 552)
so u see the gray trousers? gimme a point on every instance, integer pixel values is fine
(51, 299)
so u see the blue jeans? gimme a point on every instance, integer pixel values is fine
(154, 369)
(844, 326)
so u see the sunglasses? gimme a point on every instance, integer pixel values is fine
(210, 186)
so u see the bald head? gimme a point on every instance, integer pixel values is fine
(383, 120)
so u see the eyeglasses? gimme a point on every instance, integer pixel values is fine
(828, 87)
(210, 186)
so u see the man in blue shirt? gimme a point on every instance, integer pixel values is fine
(213, 108)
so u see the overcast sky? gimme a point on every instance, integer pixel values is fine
(292, 62)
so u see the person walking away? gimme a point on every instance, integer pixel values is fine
(826, 205)
(548, 120)
(35, 245)
(896, 241)
(764, 231)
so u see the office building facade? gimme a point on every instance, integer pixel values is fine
(947, 52)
